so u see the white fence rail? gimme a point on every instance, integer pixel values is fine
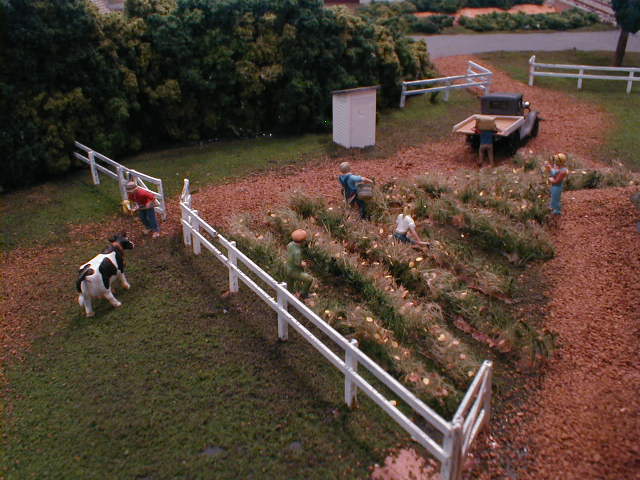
(477, 76)
(581, 75)
(99, 163)
(456, 436)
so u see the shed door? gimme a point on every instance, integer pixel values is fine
(363, 121)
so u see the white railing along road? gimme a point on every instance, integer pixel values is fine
(581, 75)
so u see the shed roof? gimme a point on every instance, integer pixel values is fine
(355, 90)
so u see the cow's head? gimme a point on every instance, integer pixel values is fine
(122, 240)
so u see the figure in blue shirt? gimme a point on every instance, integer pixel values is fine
(486, 146)
(349, 183)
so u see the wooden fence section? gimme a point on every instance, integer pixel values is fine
(454, 438)
(476, 76)
(99, 163)
(629, 77)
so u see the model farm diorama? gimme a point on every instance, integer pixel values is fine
(418, 281)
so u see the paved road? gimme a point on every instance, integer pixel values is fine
(446, 45)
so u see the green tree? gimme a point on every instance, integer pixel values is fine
(628, 18)
(63, 84)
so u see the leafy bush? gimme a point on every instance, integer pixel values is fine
(568, 19)
(431, 24)
(181, 72)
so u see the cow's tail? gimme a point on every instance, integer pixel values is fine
(82, 274)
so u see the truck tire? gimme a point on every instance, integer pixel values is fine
(535, 129)
(513, 143)
(474, 142)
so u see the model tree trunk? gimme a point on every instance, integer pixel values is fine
(621, 48)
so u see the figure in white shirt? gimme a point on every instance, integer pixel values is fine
(406, 229)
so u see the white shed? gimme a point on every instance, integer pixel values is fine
(354, 117)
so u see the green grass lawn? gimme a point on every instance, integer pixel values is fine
(41, 215)
(179, 383)
(623, 143)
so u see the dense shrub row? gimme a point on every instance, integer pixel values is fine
(180, 71)
(432, 24)
(452, 6)
(568, 19)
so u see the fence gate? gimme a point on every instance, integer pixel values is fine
(99, 163)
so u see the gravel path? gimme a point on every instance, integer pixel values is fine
(448, 45)
(581, 422)
(586, 419)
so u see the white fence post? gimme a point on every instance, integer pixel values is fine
(532, 69)
(630, 82)
(581, 73)
(122, 183)
(351, 362)
(452, 468)
(163, 204)
(94, 171)
(446, 92)
(195, 239)
(402, 95)
(283, 333)
(486, 395)
(233, 275)
(186, 228)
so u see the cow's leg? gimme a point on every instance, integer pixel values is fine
(86, 302)
(123, 281)
(84, 299)
(112, 300)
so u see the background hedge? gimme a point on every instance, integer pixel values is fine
(180, 71)
(565, 20)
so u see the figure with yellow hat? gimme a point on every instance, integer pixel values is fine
(557, 171)
(295, 264)
(143, 201)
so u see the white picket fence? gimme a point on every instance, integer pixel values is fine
(121, 174)
(581, 75)
(477, 76)
(455, 437)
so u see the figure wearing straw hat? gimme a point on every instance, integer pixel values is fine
(295, 264)
(144, 203)
(557, 171)
(350, 185)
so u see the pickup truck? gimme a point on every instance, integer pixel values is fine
(514, 121)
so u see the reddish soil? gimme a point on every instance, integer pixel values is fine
(581, 420)
(474, 12)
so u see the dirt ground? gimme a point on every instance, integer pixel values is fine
(582, 420)
(474, 12)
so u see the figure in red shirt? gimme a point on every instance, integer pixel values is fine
(144, 202)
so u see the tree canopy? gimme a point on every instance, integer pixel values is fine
(180, 71)
(628, 18)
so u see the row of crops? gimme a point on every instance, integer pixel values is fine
(429, 315)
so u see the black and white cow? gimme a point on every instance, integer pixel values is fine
(98, 274)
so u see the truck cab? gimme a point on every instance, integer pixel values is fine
(502, 104)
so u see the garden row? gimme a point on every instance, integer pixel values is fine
(428, 316)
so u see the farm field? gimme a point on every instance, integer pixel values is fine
(181, 382)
